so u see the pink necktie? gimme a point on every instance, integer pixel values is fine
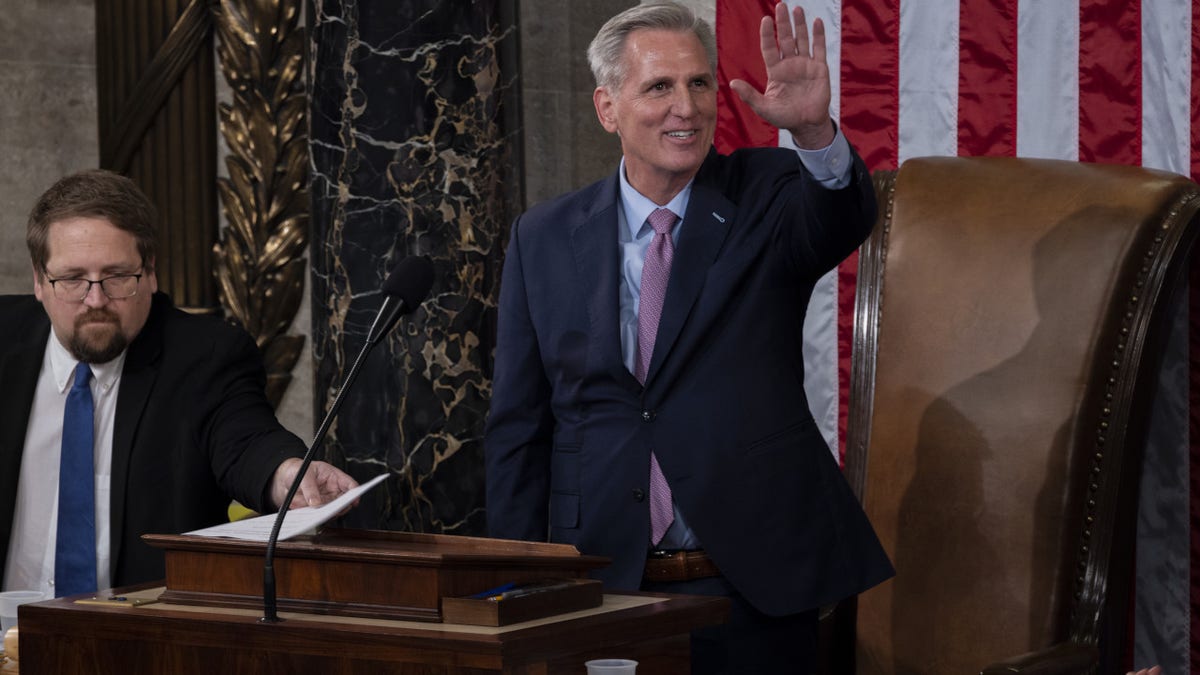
(655, 272)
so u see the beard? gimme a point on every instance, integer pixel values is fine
(98, 344)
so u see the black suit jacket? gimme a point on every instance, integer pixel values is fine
(570, 430)
(193, 427)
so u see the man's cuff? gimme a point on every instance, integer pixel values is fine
(831, 165)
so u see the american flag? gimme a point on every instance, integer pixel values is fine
(1087, 80)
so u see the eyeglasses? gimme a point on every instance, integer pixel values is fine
(116, 287)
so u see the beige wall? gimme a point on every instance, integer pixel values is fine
(47, 113)
(565, 146)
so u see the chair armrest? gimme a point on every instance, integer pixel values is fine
(1065, 657)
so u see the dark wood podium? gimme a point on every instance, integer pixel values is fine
(144, 634)
(64, 638)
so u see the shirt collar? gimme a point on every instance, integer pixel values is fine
(637, 207)
(62, 364)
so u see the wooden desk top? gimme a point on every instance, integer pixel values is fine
(54, 631)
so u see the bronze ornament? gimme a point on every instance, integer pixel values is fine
(260, 263)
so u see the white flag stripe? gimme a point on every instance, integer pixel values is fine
(928, 122)
(830, 14)
(820, 323)
(1048, 79)
(1166, 85)
(821, 358)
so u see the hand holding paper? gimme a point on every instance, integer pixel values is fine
(299, 521)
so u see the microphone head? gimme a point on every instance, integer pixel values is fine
(410, 280)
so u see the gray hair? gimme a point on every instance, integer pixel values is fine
(607, 51)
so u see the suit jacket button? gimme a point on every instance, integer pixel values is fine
(647, 415)
(639, 494)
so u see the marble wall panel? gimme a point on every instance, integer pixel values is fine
(413, 135)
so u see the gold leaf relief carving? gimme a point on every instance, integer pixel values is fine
(260, 255)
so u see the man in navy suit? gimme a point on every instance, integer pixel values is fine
(596, 406)
(180, 416)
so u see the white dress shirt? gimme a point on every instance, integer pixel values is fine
(30, 563)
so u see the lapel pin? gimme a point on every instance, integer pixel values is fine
(719, 218)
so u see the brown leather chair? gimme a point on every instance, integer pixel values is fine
(1009, 322)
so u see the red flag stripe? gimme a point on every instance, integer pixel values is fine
(847, 283)
(870, 71)
(741, 59)
(1110, 81)
(1195, 106)
(870, 112)
(987, 77)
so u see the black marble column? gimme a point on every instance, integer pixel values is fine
(415, 151)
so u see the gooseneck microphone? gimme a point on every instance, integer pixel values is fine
(404, 290)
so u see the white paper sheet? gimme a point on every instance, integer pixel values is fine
(299, 521)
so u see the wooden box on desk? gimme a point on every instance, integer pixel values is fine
(574, 595)
(369, 573)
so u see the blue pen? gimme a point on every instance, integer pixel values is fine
(531, 589)
(493, 591)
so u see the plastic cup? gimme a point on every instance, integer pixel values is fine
(611, 667)
(9, 601)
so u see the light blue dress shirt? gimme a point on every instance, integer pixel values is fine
(830, 166)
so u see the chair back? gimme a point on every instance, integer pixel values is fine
(1009, 318)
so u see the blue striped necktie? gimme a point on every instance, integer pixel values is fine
(75, 545)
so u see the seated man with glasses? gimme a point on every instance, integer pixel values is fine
(116, 287)
(123, 415)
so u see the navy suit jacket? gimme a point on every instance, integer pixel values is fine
(571, 430)
(192, 427)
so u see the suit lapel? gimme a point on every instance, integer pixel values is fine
(19, 370)
(137, 379)
(598, 264)
(705, 226)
